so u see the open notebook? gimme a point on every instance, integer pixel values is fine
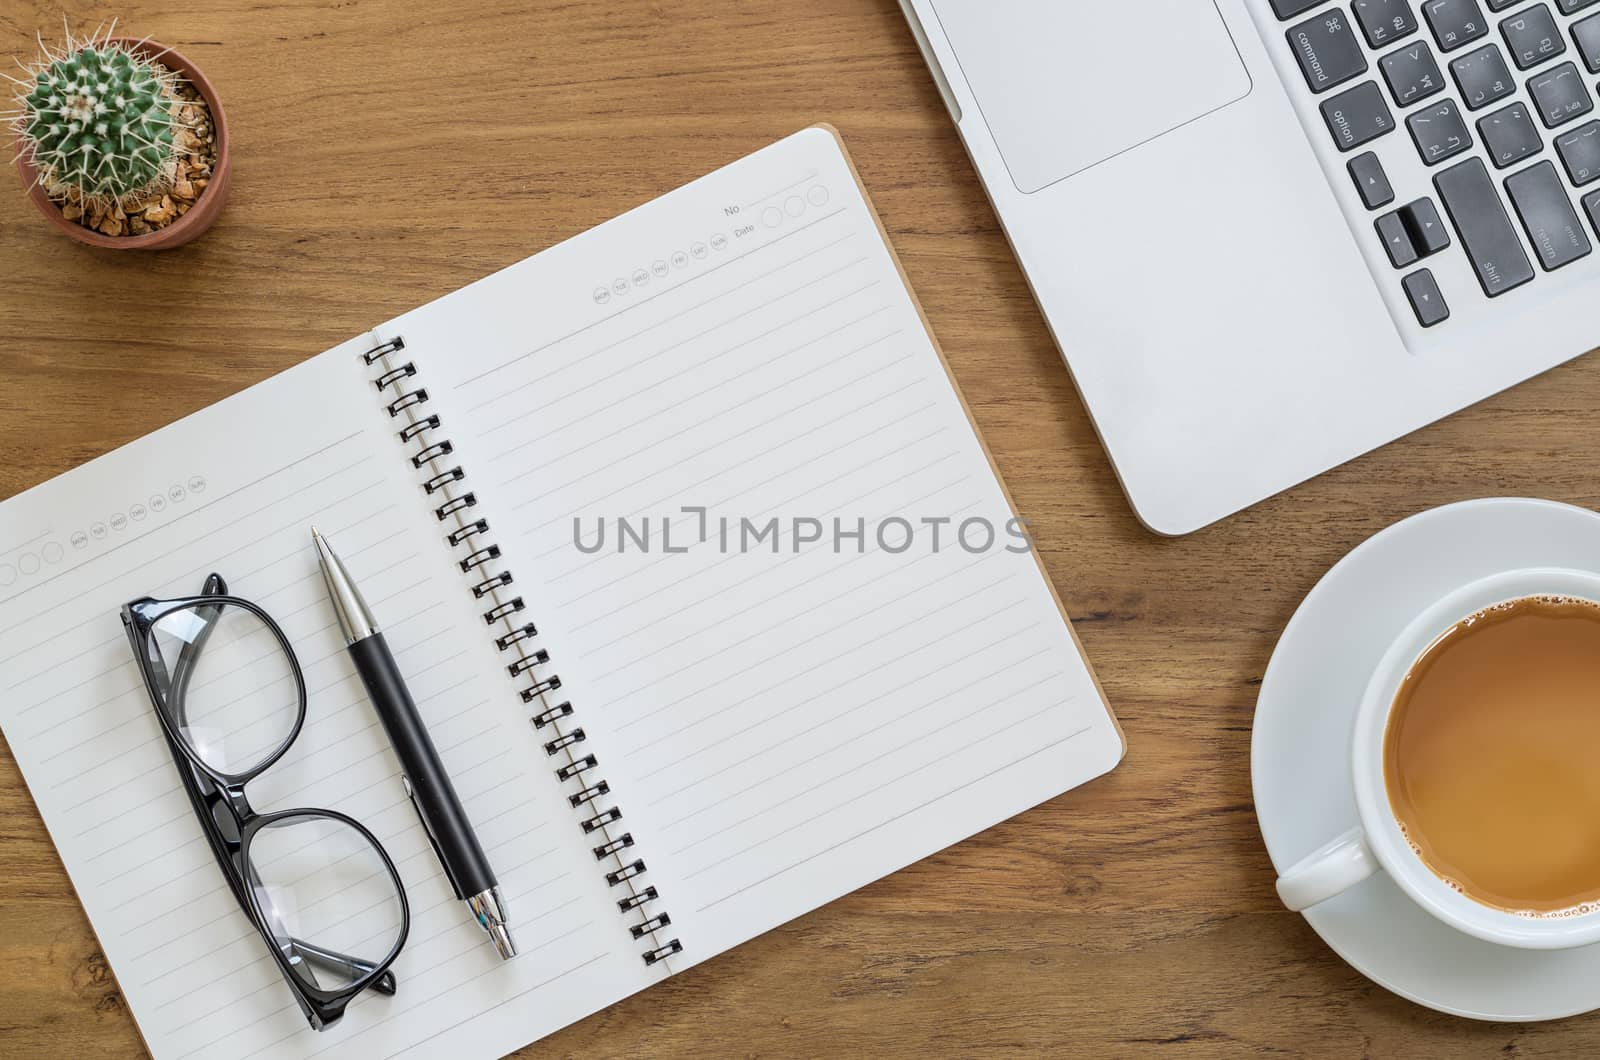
(774, 723)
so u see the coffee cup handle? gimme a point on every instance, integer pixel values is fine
(1331, 869)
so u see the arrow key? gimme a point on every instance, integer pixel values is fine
(1396, 240)
(1372, 183)
(1422, 291)
(1428, 232)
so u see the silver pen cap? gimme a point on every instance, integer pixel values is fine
(489, 909)
(355, 620)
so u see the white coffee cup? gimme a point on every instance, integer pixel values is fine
(1377, 844)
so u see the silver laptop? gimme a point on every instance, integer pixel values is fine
(1270, 235)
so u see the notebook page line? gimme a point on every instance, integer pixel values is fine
(697, 693)
(616, 668)
(802, 702)
(546, 373)
(513, 998)
(829, 722)
(712, 448)
(545, 376)
(556, 458)
(921, 766)
(848, 840)
(735, 260)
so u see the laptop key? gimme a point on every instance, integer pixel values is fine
(1569, 7)
(1586, 35)
(1422, 291)
(1483, 77)
(1327, 50)
(1372, 183)
(1481, 221)
(1357, 115)
(1591, 205)
(1396, 240)
(1428, 233)
(1454, 22)
(1560, 95)
(1439, 131)
(1580, 153)
(1510, 135)
(1287, 9)
(1384, 21)
(1552, 224)
(1533, 37)
(1412, 73)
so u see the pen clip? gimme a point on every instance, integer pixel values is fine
(427, 829)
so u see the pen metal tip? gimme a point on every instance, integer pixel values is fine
(500, 935)
(354, 617)
(489, 910)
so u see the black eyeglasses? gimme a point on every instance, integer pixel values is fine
(317, 885)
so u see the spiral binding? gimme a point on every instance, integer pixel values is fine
(453, 504)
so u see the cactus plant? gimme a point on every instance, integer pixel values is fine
(97, 122)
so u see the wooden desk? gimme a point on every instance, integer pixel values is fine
(389, 152)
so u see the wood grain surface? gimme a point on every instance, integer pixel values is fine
(387, 152)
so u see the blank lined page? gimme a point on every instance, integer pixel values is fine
(234, 490)
(885, 669)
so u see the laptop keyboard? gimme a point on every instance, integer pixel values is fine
(1496, 96)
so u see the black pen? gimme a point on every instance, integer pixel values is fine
(422, 773)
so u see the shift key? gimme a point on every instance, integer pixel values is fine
(1481, 220)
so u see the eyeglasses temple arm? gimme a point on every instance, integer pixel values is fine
(354, 966)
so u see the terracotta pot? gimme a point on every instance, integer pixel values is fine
(206, 208)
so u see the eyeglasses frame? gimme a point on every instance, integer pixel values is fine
(210, 790)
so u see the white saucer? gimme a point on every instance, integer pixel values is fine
(1300, 752)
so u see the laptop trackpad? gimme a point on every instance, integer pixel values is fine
(1066, 84)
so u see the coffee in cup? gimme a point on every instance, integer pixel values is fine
(1491, 756)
